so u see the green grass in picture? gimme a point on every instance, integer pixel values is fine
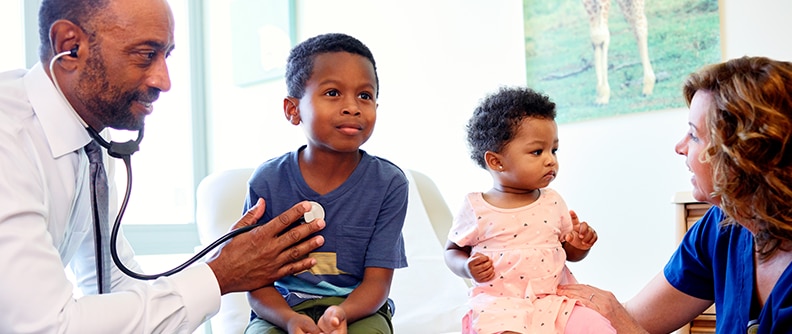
(683, 36)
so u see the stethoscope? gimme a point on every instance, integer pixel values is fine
(124, 152)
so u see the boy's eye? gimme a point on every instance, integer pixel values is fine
(554, 151)
(332, 92)
(365, 96)
(537, 152)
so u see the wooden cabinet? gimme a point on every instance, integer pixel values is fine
(689, 211)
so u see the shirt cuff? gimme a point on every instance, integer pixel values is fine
(200, 292)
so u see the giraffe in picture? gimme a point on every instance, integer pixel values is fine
(633, 11)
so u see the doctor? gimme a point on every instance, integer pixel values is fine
(111, 69)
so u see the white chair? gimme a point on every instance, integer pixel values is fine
(428, 297)
(219, 201)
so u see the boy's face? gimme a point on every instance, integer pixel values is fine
(339, 107)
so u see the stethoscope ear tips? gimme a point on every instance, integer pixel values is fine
(316, 212)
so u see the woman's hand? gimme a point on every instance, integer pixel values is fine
(606, 304)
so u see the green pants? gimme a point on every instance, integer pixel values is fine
(377, 323)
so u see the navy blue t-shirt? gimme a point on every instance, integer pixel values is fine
(364, 218)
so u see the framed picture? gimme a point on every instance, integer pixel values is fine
(261, 37)
(634, 57)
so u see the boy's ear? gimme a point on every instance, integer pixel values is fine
(291, 110)
(493, 161)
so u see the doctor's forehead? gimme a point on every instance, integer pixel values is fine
(148, 22)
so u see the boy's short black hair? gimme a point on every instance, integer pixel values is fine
(300, 62)
(495, 121)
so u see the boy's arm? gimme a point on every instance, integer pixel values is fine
(370, 295)
(269, 305)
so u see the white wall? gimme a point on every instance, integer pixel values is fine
(13, 27)
(436, 59)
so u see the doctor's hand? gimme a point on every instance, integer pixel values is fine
(261, 256)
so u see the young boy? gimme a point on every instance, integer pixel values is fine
(333, 86)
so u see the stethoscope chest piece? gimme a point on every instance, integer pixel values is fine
(316, 212)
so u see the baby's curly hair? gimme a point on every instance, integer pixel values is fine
(497, 118)
(750, 146)
(299, 65)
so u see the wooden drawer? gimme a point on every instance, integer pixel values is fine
(688, 212)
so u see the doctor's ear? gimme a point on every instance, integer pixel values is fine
(291, 110)
(65, 39)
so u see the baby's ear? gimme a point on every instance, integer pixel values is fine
(291, 110)
(493, 161)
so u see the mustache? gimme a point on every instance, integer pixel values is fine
(148, 96)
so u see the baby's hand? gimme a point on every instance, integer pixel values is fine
(480, 268)
(582, 236)
(333, 321)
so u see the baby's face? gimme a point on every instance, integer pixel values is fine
(339, 108)
(529, 159)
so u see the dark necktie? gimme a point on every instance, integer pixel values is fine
(100, 215)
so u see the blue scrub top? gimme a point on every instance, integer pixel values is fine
(715, 262)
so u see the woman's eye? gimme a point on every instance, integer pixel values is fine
(693, 137)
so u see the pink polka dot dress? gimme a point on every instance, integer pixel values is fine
(524, 245)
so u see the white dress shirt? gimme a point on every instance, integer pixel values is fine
(45, 224)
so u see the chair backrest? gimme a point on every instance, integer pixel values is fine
(429, 298)
(434, 204)
(219, 202)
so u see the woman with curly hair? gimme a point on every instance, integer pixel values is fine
(738, 255)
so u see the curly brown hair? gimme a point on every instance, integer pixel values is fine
(750, 149)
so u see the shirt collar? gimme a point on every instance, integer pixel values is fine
(63, 130)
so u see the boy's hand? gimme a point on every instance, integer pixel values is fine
(302, 324)
(481, 268)
(333, 321)
(582, 236)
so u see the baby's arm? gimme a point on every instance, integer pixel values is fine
(579, 241)
(367, 298)
(479, 267)
(269, 305)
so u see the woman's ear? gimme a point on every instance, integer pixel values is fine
(291, 110)
(493, 161)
